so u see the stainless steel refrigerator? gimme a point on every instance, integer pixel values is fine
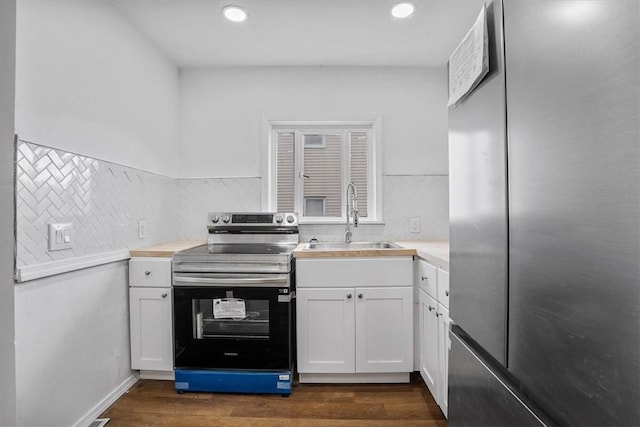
(545, 220)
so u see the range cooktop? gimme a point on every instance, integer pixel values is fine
(240, 249)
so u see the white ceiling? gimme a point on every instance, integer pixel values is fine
(193, 33)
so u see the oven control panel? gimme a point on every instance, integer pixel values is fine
(252, 219)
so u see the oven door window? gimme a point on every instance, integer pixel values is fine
(230, 318)
(232, 327)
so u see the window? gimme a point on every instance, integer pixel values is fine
(313, 162)
(315, 141)
(315, 206)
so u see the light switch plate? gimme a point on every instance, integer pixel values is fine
(59, 236)
(415, 225)
(142, 229)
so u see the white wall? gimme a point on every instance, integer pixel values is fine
(89, 83)
(7, 78)
(222, 110)
(86, 82)
(72, 343)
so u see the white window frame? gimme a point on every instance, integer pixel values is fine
(369, 123)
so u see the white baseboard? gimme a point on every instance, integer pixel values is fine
(157, 375)
(391, 377)
(106, 402)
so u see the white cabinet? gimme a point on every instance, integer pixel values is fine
(444, 346)
(150, 311)
(361, 332)
(443, 287)
(428, 277)
(384, 329)
(326, 332)
(429, 341)
(150, 317)
(434, 341)
(150, 272)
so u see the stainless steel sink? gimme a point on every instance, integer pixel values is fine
(351, 246)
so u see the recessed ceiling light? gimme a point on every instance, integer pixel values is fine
(403, 10)
(235, 13)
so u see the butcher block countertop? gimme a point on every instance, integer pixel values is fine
(436, 252)
(165, 250)
(302, 252)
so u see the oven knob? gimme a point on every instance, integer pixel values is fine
(226, 219)
(290, 219)
(279, 219)
(215, 219)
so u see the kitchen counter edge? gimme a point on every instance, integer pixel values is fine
(165, 250)
(435, 252)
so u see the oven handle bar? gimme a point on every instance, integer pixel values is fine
(259, 282)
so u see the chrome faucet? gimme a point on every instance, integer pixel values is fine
(351, 209)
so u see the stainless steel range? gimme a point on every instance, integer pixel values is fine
(233, 305)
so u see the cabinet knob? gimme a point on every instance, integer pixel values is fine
(164, 295)
(360, 296)
(423, 277)
(431, 308)
(349, 296)
(438, 314)
(446, 293)
(146, 273)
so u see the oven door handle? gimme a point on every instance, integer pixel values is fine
(259, 282)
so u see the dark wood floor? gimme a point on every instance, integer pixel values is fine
(155, 403)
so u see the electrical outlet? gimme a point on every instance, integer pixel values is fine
(59, 236)
(415, 225)
(142, 229)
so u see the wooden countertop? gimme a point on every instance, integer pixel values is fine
(435, 252)
(301, 252)
(165, 250)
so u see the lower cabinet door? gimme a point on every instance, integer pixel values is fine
(429, 342)
(325, 330)
(384, 329)
(444, 346)
(151, 328)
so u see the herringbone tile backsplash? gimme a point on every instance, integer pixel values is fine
(199, 196)
(103, 200)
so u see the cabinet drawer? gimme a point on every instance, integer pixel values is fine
(150, 272)
(443, 287)
(427, 278)
(352, 272)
